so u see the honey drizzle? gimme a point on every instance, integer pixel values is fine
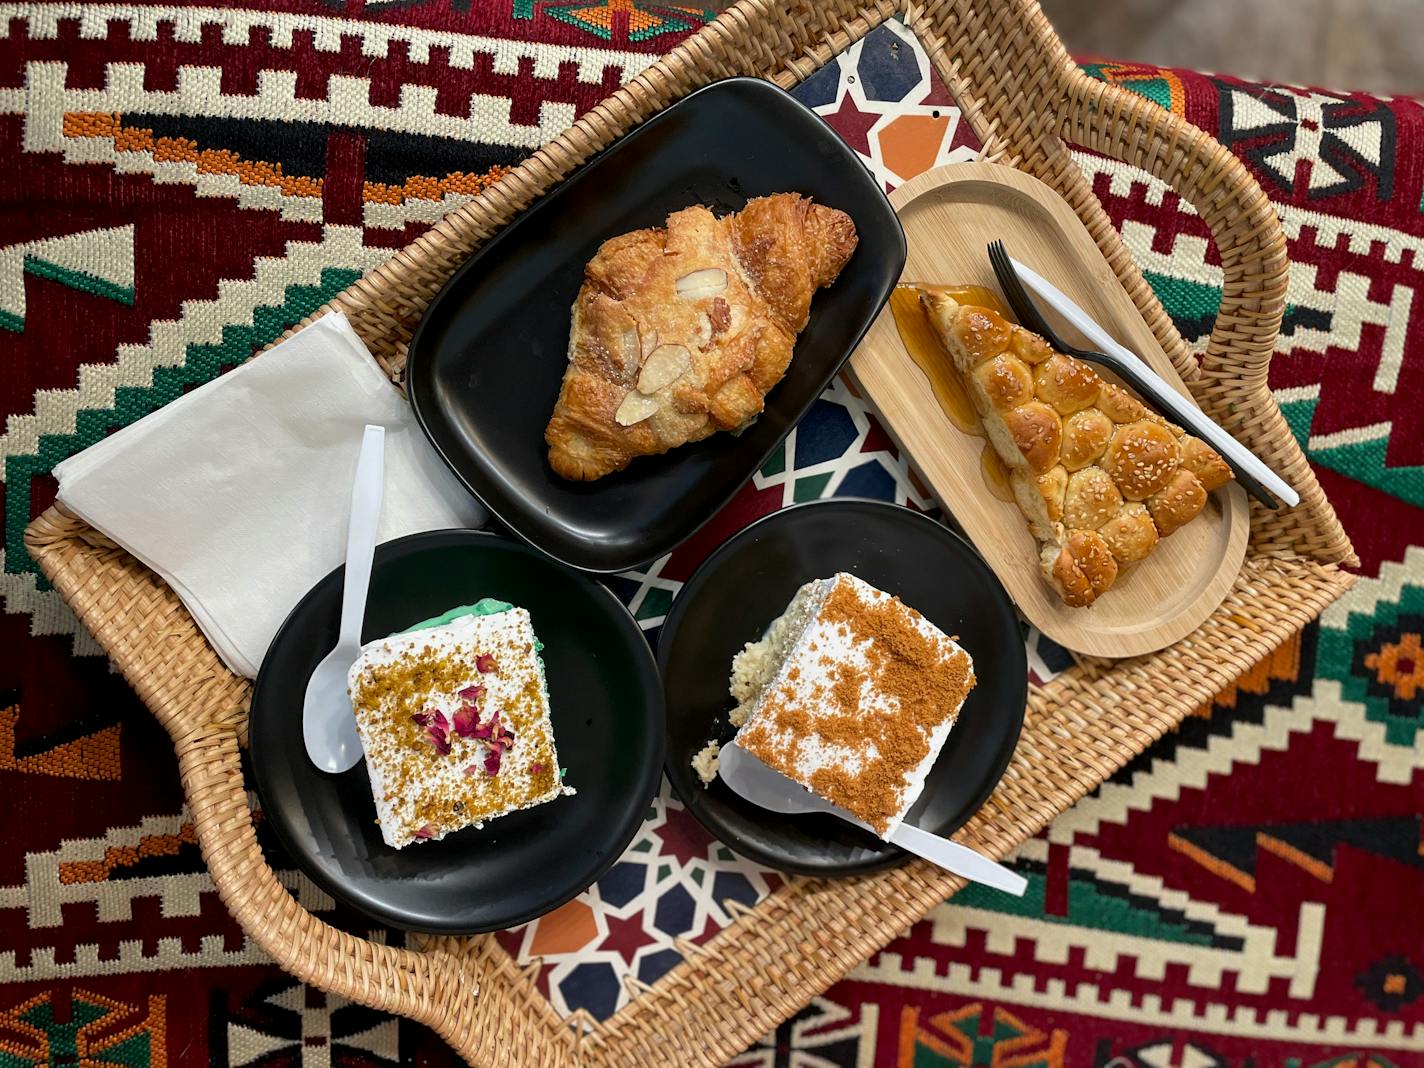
(923, 345)
(996, 475)
(925, 349)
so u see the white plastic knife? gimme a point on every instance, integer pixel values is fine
(1180, 410)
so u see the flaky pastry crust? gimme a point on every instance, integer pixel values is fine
(680, 331)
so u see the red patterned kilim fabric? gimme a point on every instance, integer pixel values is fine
(180, 183)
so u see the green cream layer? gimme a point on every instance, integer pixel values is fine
(485, 606)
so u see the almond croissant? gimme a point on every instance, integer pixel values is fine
(679, 332)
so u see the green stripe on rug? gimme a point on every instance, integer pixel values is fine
(201, 363)
(81, 280)
(657, 29)
(1088, 906)
(574, 17)
(1156, 90)
(1184, 298)
(1298, 415)
(1364, 461)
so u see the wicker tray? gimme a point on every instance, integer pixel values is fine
(1025, 99)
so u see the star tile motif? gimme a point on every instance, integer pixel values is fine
(626, 936)
(853, 124)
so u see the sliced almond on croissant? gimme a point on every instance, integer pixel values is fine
(666, 363)
(729, 293)
(634, 409)
(632, 351)
(707, 282)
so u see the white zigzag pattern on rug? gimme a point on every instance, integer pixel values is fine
(199, 93)
(376, 38)
(1348, 302)
(44, 893)
(1254, 965)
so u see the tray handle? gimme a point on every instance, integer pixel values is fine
(423, 985)
(1108, 119)
(1232, 376)
(203, 707)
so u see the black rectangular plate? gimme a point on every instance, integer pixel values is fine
(486, 362)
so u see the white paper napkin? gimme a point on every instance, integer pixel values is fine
(237, 494)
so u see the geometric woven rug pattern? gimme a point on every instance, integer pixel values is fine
(180, 183)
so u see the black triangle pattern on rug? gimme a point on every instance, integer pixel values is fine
(299, 148)
(1311, 846)
(1196, 327)
(1195, 732)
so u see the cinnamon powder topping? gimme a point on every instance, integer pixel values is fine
(924, 681)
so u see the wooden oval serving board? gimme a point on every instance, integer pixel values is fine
(950, 215)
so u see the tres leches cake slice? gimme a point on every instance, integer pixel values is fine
(454, 717)
(852, 694)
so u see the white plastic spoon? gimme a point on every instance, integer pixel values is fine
(768, 788)
(328, 723)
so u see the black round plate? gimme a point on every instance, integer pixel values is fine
(607, 710)
(738, 590)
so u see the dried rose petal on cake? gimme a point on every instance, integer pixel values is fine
(422, 689)
(467, 721)
(439, 739)
(437, 728)
(487, 729)
(493, 755)
(431, 717)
